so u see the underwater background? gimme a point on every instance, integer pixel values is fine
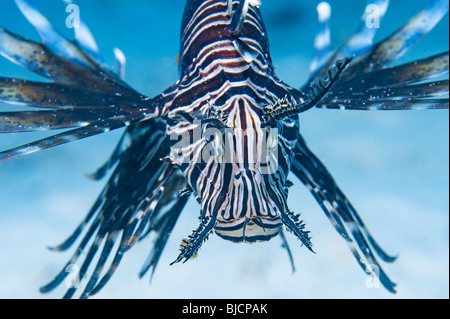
(392, 165)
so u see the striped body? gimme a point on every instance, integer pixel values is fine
(238, 174)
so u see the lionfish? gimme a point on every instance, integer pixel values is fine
(226, 133)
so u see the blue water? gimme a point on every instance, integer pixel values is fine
(393, 166)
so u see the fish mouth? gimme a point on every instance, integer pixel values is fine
(248, 229)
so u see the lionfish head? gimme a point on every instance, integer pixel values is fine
(251, 210)
(238, 173)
